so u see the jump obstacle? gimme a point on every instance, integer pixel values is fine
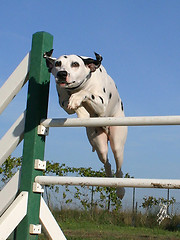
(21, 204)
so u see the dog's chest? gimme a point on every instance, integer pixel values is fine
(103, 86)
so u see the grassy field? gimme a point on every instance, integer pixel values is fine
(78, 225)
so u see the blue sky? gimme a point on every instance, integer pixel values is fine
(139, 42)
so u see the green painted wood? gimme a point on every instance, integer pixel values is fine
(37, 104)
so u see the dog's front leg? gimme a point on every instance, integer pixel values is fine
(82, 112)
(94, 104)
(76, 100)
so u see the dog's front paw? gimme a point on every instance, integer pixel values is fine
(75, 101)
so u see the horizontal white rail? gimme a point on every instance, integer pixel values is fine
(14, 83)
(109, 182)
(111, 121)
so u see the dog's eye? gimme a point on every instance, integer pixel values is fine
(58, 64)
(75, 64)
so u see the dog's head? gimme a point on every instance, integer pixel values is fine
(70, 71)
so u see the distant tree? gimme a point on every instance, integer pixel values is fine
(88, 197)
(9, 168)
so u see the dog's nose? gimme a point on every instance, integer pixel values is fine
(62, 74)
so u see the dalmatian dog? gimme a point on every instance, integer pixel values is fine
(85, 88)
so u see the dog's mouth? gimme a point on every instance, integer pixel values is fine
(62, 79)
(61, 82)
(64, 83)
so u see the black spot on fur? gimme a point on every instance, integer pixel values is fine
(100, 69)
(65, 56)
(58, 64)
(104, 90)
(101, 99)
(122, 107)
(110, 95)
(92, 96)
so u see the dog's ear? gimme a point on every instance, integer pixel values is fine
(49, 60)
(93, 64)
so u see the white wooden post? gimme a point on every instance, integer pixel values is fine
(12, 138)
(14, 83)
(9, 192)
(49, 223)
(13, 215)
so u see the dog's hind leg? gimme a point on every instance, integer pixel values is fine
(99, 141)
(117, 139)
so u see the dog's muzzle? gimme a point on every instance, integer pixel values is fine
(61, 77)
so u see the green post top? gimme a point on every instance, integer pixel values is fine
(37, 106)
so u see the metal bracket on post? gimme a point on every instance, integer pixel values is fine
(43, 130)
(40, 165)
(37, 188)
(35, 229)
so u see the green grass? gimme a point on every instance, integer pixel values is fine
(84, 231)
(102, 225)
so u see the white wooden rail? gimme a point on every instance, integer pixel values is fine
(7, 92)
(12, 138)
(14, 83)
(9, 192)
(49, 223)
(111, 121)
(109, 182)
(13, 215)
